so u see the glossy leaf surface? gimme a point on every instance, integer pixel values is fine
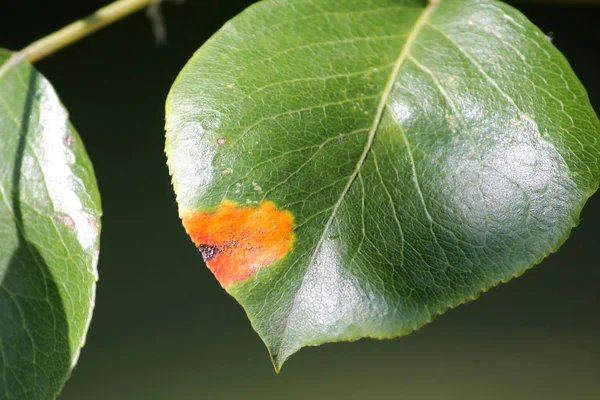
(49, 236)
(426, 151)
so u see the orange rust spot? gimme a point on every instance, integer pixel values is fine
(236, 241)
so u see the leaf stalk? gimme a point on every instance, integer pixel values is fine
(75, 31)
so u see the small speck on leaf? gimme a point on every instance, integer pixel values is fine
(208, 251)
(66, 220)
(68, 140)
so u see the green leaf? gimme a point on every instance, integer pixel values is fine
(49, 235)
(425, 151)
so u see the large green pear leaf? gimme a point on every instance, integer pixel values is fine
(421, 152)
(49, 237)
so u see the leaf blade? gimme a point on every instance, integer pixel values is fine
(49, 228)
(486, 151)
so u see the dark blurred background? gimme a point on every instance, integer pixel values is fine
(164, 329)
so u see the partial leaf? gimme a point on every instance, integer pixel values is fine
(49, 235)
(420, 152)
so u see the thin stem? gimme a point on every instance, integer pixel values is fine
(75, 31)
(82, 28)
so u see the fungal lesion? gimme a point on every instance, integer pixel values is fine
(237, 240)
(208, 251)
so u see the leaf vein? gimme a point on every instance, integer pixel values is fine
(404, 52)
(317, 44)
(300, 110)
(394, 213)
(495, 85)
(287, 22)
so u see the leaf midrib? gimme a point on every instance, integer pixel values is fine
(402, 57)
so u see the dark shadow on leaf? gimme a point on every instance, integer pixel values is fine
(35, 357)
